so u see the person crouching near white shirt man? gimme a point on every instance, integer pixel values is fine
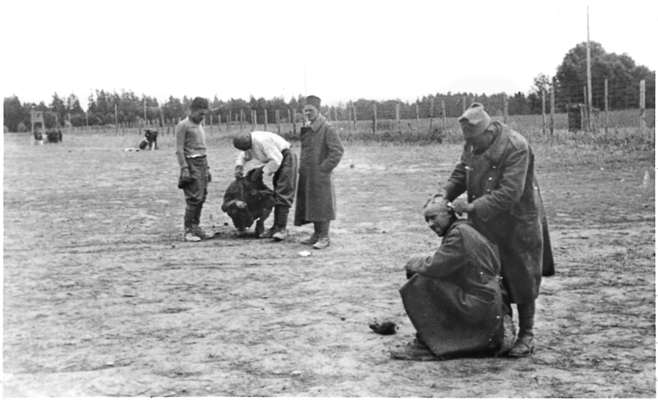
(280, 164)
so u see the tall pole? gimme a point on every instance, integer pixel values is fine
(589, 78)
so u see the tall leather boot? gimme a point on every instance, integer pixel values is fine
(323, 236)
(525, 343)
(314, 237)
(280, 223)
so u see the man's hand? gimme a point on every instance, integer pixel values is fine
(461, 206)
(435, 198)
(239, 171)
(185, 177)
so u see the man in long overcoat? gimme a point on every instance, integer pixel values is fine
(504, 203)
(454, 297)
(321, 151)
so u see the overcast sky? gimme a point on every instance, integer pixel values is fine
(339, 50)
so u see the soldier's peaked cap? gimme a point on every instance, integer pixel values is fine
(474, 120)
(313, 101)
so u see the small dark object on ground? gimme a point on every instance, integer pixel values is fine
(384, 328)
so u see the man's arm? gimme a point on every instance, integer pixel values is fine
(274, 158)
(447, 259)
(334, 151)
(180, 144)
(510, 189)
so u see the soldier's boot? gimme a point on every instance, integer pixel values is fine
(323, 236)
(525, 343)
(314, 237)
(190, 234)
(260, 228)
(280, 223)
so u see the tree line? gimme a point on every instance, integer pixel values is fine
(104, 107)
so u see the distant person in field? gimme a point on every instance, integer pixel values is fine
(321, 151)
(454, 296)
(280, 166)
(504, 204)
(194, 171)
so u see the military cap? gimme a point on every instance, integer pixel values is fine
(313, 101)
(474, 120)
(199, 103)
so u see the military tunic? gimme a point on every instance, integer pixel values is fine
(501, 185)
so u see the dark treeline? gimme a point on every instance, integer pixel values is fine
(107, 108)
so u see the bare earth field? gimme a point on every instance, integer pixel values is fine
(101, 297)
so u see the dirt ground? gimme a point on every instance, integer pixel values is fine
(101, 297)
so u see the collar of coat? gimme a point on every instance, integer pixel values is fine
(317, 124)
(496, 150)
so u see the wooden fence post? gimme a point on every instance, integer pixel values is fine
(431, 113)
(643, 122)
(265, 119)
(505, 108)
(292, 119)
(463, 104)
(354, 115)
(397, 117)
(605, 104)
(417, 114)
(543, 112)
(116, 120)
(585, 117)
(374, 118)
(278, 121)
(552, 122)
(241, 118)
(444, 117)
(253, 120)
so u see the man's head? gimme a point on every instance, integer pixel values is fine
(474, 122)
(312, 107)
(439, 216)
(242, 141)
(198, 109)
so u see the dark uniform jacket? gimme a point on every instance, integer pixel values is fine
(454, 300)
(501, 185)
(321, 151)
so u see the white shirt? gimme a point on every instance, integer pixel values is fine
(266, 148)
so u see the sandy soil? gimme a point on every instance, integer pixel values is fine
(101, 297)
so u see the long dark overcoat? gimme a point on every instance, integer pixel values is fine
(321, 151)
(455, 299)
(501, 185)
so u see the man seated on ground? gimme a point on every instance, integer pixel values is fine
(454, 297)
(280, 165)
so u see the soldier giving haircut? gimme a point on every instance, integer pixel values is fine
(194, 171)
(504, 204)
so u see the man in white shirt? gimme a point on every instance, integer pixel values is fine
(280, 164)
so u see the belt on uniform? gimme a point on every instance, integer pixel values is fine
(196, 156)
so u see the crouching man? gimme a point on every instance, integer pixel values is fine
(454, 297)
(280, 165)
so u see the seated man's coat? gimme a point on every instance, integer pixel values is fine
(454, 299)
(248, 199)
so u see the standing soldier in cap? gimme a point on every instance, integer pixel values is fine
(280, 165)
(497, 171)
(321, 152)
(194, 171)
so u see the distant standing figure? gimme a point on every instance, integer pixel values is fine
(321, 151)
(280, 165)
(194, 171)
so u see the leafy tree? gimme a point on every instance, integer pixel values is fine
(13, 112)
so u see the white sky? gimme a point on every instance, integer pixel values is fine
(338, 50)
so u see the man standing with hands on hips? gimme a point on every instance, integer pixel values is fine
(321, 151)
(504, 204)
(194, 171)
